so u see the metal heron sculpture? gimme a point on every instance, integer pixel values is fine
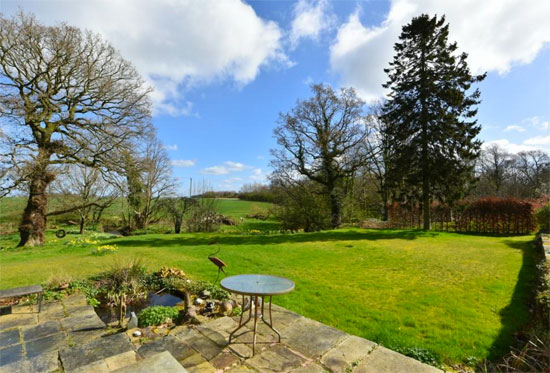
(218, 263)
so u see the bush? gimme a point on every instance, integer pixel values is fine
(484, 215)
(157, 315)
(543, 218)
(303, 207)
(203, 216)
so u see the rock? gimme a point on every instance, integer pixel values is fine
(199, 301)
(137, 333)
(133, 323)
(209, 306)
(226, 308)
(204, 294)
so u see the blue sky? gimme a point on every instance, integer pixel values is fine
(223, 70)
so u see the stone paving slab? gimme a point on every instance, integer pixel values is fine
(82, 322)
(204, 346)
(193, 360)
(121, 360)
(51, 311)
(80, 337)
(95, 367)
(276, 359)
(18, 319)
(183, 332)
(45, 363)
(179, 349)
(52, 342)
(383, 360)
(9, 338)
(11, 354)
(96, 350)
(203, 368)
(163, 362)
(350, 350)
(225, 360)
(41, 330)
(312, 338)
(310, 368)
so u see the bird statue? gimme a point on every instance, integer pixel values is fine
(217, 262)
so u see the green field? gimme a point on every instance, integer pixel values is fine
(454, 295)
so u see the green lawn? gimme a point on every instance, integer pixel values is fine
(455, 295)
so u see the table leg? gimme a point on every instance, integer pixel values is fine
(255, 324)
(241, 324)
(270, 323)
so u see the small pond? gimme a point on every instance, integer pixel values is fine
(108, 314)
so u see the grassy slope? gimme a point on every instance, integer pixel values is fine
(455, 295)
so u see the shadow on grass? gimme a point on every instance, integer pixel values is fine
(515, 316)
(227, 239)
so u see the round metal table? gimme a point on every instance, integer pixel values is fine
(256, 287)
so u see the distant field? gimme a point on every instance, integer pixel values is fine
(11, 209)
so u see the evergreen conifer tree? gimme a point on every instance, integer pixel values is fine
(430, 114)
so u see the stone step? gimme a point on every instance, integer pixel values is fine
(162, 362)
(99, 349)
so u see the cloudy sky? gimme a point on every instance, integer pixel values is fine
(222, 70)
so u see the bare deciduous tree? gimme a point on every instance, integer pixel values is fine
(66, 96)
(84, 190)
(322, 139)
(144, 178)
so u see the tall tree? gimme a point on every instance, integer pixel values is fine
(85, 191)
(380, 148)
(66, 96)
(321, 139)
(430, 114)
(144, 178)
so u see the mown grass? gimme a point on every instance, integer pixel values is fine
(455, 295)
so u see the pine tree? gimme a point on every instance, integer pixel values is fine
(430, 113)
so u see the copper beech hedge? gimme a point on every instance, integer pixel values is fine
(483, 215)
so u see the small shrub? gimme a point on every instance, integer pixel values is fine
(420, 354)
(237, 311)
(543, 218)
(59, 281)
(215, 291)
(157, 315)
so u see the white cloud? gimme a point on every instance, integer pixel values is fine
(225, 168)
(538, 123)
(171, 147)
(183, 163)
(496, 34)
(538, 140)
(176, 44)
(311, 17)
(232, 180)
(257, 175)
(514, 128)
(515, 148)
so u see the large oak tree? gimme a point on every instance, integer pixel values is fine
(322, 140)
(430, 114)
(66, 96)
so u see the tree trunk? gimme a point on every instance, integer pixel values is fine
(82, 224)
(177, 226)
(426, 203)
(335, 209)
(33, 222)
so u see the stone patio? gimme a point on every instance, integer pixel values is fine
(68, 336)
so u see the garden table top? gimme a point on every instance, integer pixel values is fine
(260, 285)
